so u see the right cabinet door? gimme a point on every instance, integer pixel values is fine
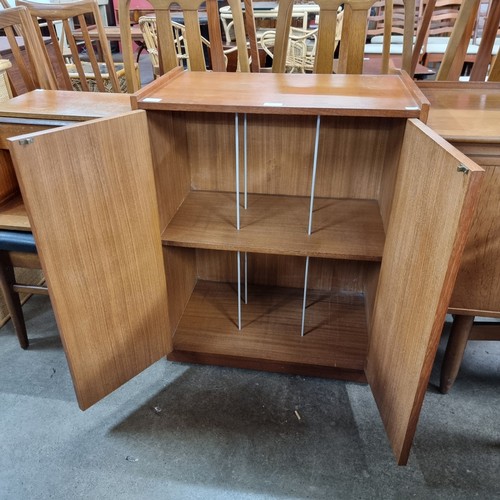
(435, 195)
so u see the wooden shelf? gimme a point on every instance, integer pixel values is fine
(13, 215)
(342, 229)
(271, 93)
(335, 343)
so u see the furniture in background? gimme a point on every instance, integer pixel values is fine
(302, 46)
(193, 39)
(468, 116)
(96, 73)
(29, 67)
(353, 36)
(458, 22)
(268, 11)
(31, 112)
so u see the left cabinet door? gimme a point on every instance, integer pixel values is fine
(90, 196)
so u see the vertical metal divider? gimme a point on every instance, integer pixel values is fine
(309, 228)
(237, 166)
(245, 194)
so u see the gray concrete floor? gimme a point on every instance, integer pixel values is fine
(181, 431)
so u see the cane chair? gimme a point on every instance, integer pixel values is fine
(98, 71)
(148, 28)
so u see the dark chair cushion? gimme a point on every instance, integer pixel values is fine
(17, 241)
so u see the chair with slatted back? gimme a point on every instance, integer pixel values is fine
(17, 248)
(29, 69)
(90, 66)
(189, 10)
(352, 40)
(445, 35)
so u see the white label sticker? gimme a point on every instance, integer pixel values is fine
(151, 99)
(277, 104)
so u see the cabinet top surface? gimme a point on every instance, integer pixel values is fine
(65, 105)
(268, 93)
(467, 112)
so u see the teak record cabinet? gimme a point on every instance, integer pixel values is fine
(135, 219)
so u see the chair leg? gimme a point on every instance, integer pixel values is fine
(459, 335)
(13, 302)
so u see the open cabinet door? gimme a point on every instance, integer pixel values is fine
(91, 200)
(435, 196)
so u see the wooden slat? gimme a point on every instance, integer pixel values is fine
(344, 229)
(95, 220)
(417, 275)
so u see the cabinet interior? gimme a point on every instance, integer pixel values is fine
(194, 157)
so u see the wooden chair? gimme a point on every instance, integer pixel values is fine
(353, 37)
(459, 47)
(30, 70)
(98, 72)
(166, 43)
(17, 249)
(386, 30)
(445, 36)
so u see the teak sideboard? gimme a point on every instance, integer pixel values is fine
(322, 201)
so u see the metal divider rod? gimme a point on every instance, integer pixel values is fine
(245, 161)
(245, 202)
(309, 229)
(238, 256)
(305, 297)
(237, 147)
(315, 165)
(239, 289)
(246, 278)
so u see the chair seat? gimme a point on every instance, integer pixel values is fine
(17, 241)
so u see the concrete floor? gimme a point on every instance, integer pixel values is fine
(186, 432)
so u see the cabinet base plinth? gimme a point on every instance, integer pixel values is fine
(268, 366)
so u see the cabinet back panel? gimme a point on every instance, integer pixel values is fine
(211, 150)
(167, 134)
(283, 271)
(352, 154)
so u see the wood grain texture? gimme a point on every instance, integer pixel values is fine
(270, 93)
(167, 136)
(464, 112)
(180, 267)
(335, 326)
(468, 114)
(8, 181)
(425, 238)
(284, 271)
(343, 229)
(281, 150)
(95, 220)
(65, 105)
(478, 284)
(13, 214)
